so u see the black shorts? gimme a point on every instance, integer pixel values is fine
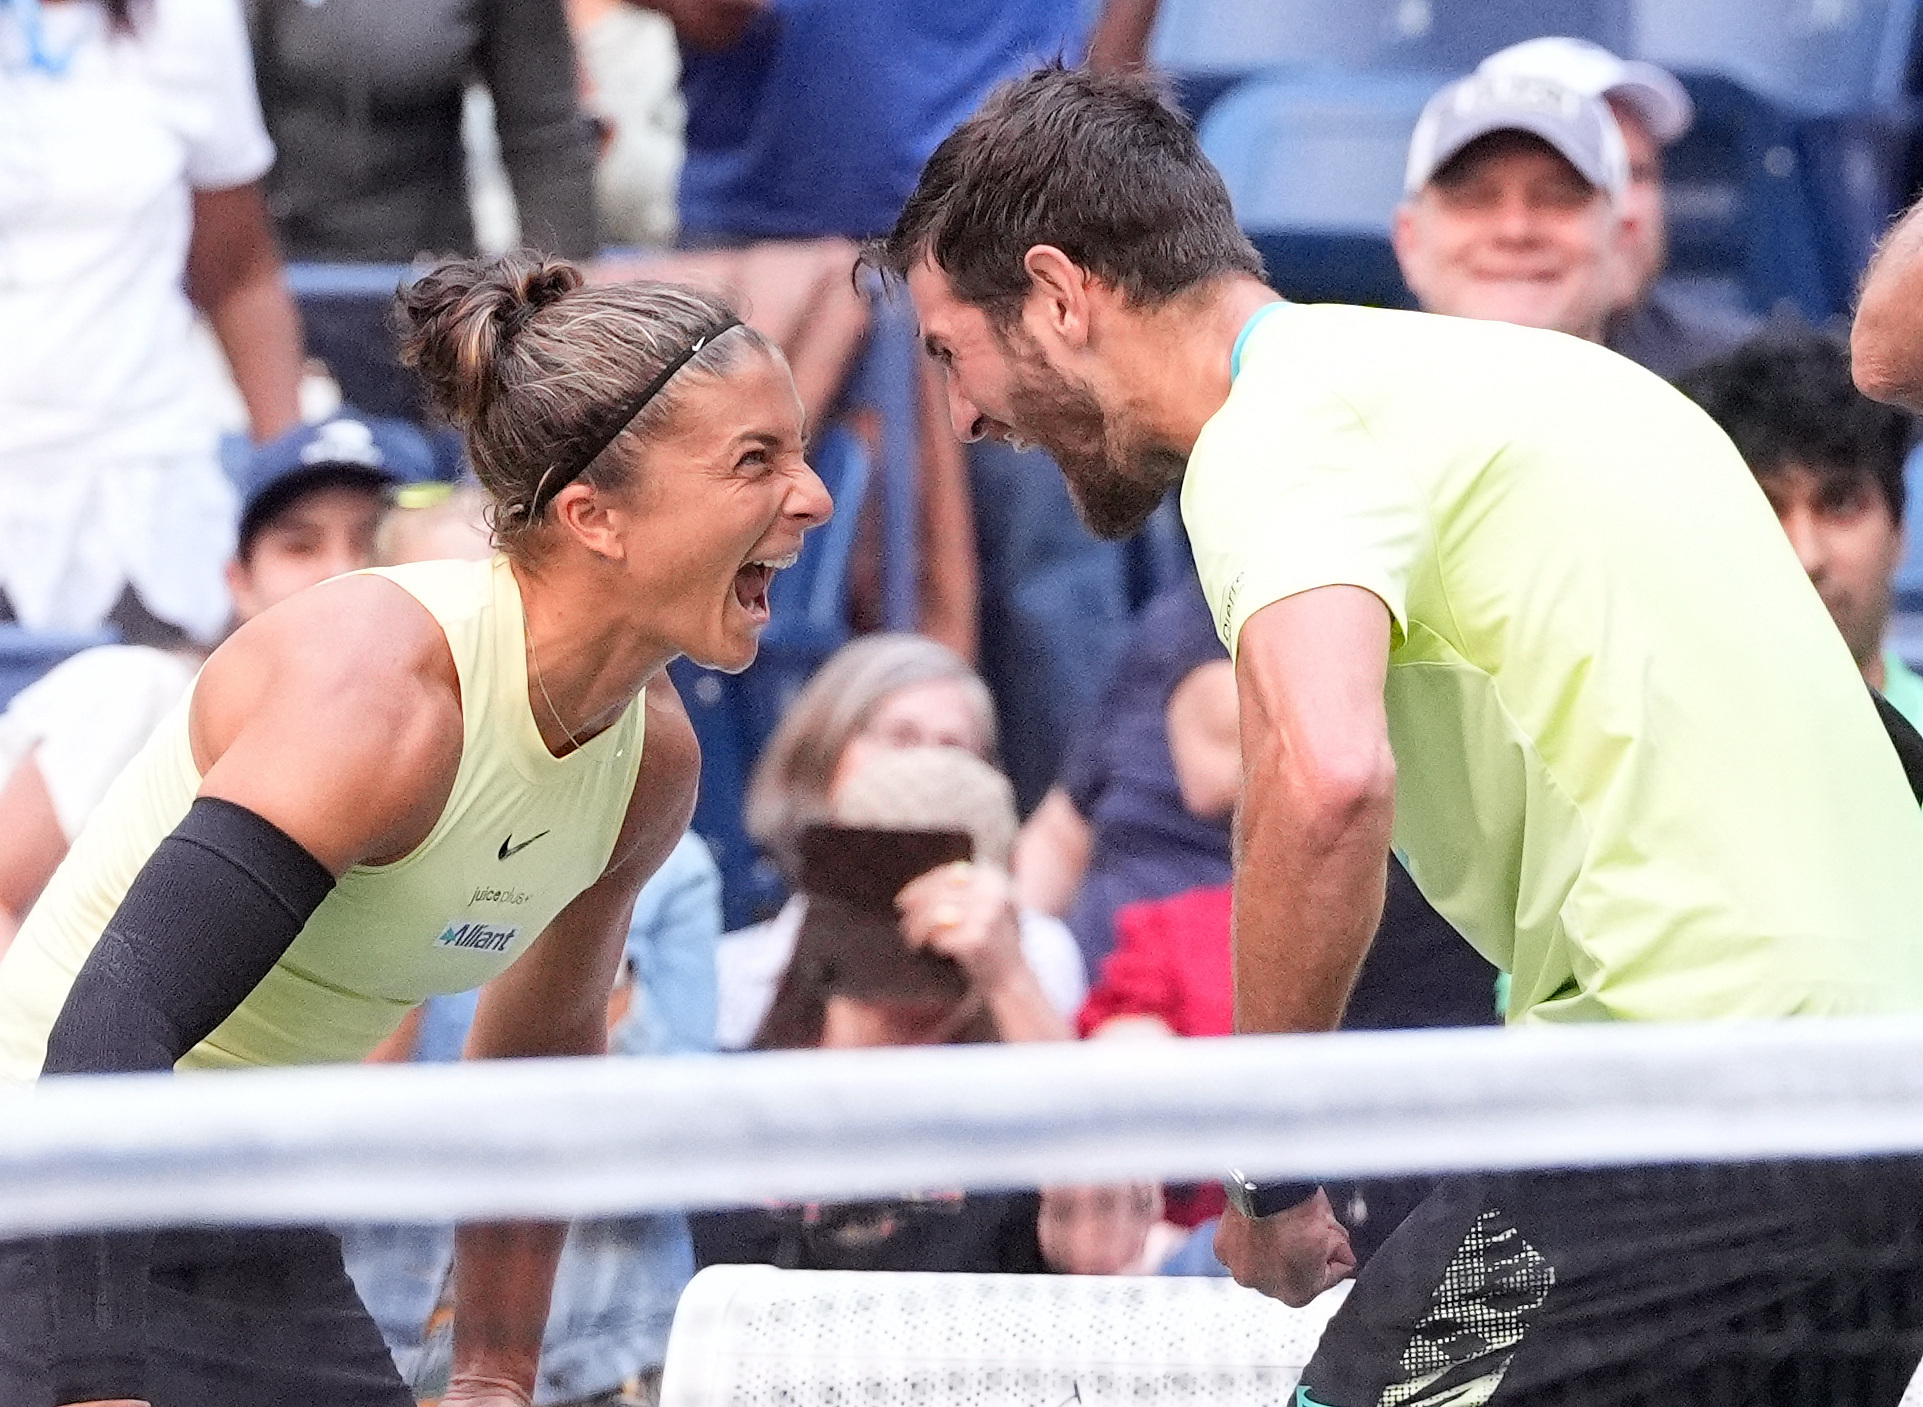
(234, 1319)
(1666, 1287)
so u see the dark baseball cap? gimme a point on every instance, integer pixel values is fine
(348, 448)
(1578, 125)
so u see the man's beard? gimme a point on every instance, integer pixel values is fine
(1115, 487)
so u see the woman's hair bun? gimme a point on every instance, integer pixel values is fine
(460, 315)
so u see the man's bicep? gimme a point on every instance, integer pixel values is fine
(1310, 674)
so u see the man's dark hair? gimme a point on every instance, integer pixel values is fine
(1785, 397)
(1102, 167)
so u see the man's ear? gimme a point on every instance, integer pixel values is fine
(592, 518)
(1058, 295)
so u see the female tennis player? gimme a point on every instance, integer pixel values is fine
(403, 783)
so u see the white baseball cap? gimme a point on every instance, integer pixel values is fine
(1576, 124)
(1589, 68)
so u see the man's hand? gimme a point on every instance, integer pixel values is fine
(1292, 1256)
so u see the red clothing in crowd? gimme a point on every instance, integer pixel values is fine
(1171, 960)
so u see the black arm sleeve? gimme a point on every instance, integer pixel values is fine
(209, 914)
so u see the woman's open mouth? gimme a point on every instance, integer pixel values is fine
(752, 581)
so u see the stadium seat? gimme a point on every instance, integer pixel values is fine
(1314, 162)
(1816, 56)
(26, 654)
(1200, 41)
(1744, 209)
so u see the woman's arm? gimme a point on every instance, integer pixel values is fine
(32, 845)
(1051, 854)
(554, 1001)
(235, 277)
(312, 759)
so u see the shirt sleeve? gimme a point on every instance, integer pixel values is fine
(1287, 491)
(228, 146)
(85, 720)
(527, 60)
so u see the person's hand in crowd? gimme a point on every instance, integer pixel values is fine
(1292, 1256)
(966, 911)
(1098, 1230)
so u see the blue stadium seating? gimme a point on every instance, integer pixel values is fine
(26, 654)
(1313, 162)
(1744, 206)
(1813, 56)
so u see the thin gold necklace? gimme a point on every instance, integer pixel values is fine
(541, 684)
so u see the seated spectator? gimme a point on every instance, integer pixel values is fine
(878, 693)
(365, 105)
(1659, 324)
(1514, 205)
(851, 984)
(310, 502)
(1830, 461)
(1141, 809)
(131, 149)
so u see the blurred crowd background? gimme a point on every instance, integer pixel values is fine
(205, 209)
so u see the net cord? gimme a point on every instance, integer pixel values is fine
(559, 1138)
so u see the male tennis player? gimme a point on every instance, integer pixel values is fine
(1504, 592)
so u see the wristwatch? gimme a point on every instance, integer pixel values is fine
(1256, 1200)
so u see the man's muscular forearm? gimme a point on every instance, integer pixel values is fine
(1308, 896)
(1318, 802)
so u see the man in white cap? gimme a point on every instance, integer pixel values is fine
(1514, 211)
(1654, 323)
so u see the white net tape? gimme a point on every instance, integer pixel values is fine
(746, 1335)
(602, 1137)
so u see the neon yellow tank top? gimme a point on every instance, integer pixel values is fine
(522, 834)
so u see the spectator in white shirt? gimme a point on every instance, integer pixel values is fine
(131, 145)
(311, 502)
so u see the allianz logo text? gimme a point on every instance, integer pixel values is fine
(480, 937)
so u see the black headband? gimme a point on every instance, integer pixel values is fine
(618, 420)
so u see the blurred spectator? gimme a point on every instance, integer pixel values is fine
(433, 522)
(844, 989)
(1830, 461)
(364, 102)
(1514, 205)
(634, 89)
(1141, 809)
(310, 505)
(1660, 325)
(129, 152)
(879, 693)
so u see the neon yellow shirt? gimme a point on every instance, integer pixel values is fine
(523, 833)
(1636, 765)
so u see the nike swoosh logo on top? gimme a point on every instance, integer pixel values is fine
(1302, 1399)
(508, 847)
